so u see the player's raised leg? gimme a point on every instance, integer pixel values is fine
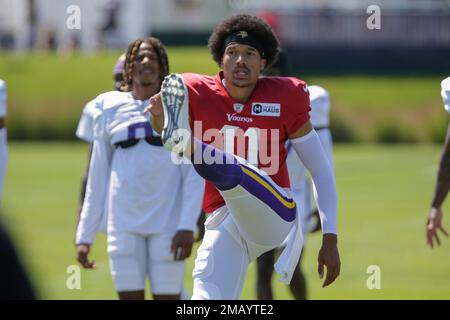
(239, 182)
(176, 132)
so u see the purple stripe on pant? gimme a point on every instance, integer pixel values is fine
(270, 183)
(263, 194)
(225, 175)
(253, 187)
(228, 174)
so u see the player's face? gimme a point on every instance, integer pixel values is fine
(146, 66)
(242, 65)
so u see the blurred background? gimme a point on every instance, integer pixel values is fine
(387, 120)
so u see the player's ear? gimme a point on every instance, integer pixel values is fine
(263, 64)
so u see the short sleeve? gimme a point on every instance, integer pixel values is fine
(85, 129)
(92, 110)
(100, 128)
(88, 126)
(297, 106)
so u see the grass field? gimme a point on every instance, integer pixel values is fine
(384, 193)
(45, 87)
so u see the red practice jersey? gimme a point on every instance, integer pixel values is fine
(256, 130)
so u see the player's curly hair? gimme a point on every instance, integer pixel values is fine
(131, 55)
(255, 26)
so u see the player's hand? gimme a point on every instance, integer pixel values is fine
(434, 223)
(155, 107)
(157, 114)
(182, 244)
(329, 257)
(82, 256)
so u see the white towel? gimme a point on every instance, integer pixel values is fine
(288, 260)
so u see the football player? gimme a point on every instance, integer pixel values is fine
(151, 204)
(217, 121)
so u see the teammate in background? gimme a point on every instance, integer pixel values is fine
(3, 137)
(251, 208)
(85, 129)
(434, 221)
(301, 188)
(151, 209)
(85, 132)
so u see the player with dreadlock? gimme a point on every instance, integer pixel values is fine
(151, 210)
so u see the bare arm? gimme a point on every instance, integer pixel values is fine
(443, 179)
(434, 220)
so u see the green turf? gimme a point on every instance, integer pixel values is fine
(382, 93)
(384, 193)
(80, 77)
(60, 78)
(43, 87)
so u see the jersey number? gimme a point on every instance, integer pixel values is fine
(231, 132)
(140, 125)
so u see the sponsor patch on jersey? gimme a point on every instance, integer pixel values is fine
(238, 107)
(266, 109)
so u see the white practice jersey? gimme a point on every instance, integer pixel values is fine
(85, 129)
(445, 93)
(139, 188)
(2, 98)
(298, 174)
(320, 106)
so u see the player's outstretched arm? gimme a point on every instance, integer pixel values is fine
(434, 220)
(307, 145)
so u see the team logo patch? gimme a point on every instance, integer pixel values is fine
(266, 109)
(234, 117)
(238, 107)
(243, 34)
